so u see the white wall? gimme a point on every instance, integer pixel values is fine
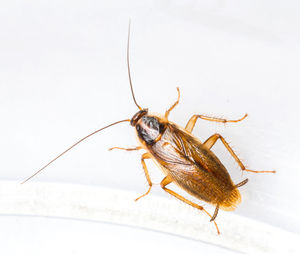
(63, 75)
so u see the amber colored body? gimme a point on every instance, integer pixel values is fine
(193, 167)
(186, 161)
(183, 158)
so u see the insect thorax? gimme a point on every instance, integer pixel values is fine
(149, 129)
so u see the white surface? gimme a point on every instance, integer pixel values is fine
(158, 214)
(49, 235)
(63, 74)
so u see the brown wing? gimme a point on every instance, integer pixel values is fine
(192, 166)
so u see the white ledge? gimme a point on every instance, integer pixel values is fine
(155, 213)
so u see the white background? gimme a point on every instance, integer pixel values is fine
(63, 75)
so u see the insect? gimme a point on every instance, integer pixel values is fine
(183, 158)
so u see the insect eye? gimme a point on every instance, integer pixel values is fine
(137, 116)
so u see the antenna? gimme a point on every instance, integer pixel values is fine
(79, 141)
(91, 134)
(128, 67)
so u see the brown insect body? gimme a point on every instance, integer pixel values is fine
(187, 161)
(183, 158)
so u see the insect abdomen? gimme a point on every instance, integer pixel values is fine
(231, 202)
(202, 187)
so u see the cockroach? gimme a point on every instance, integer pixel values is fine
(183, 158)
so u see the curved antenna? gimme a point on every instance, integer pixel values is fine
(79, 141)
(128, 67)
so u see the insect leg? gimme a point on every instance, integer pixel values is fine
(173, 106)
(145, 156)
(126, 149)
(212, 140)
(191, 123)
(167, 180)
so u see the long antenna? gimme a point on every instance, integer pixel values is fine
(128, 67)
(79, 141)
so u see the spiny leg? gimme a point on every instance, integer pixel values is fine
(125, 149)
(191, 123)
(174, 105)
(145, 156)
(212, 140)
(167, 180)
